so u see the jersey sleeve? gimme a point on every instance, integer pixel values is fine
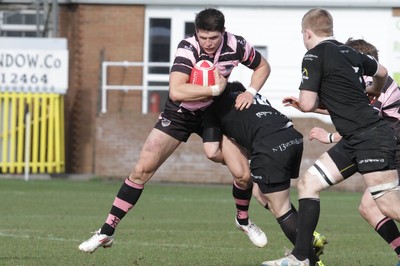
(185, 56)
(370, 65)
(251, 57)
(243, 50)
(311, 71)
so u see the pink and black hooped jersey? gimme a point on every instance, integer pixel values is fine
(388, 103)
(234, 50)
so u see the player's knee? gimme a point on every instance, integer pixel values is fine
(243, 180)
(213, 156)
(245, 176)
(302, 184)
(367, 207)
(213, 152)
(242, 183)
(140, 174)
(308, 185)
(241, 173)
(363, 211)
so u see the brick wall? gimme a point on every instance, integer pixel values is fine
(120, 137)
(97, 33)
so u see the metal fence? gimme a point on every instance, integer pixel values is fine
(32, 133)
(144, 87)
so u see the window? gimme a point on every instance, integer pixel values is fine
(189, 29)
(159, 44)
(21, 23)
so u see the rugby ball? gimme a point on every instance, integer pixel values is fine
(203, 73)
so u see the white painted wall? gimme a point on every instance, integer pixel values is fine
(279, 29)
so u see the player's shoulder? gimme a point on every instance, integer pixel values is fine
(190, 44)
(327, 48)
(230, 35)
(232, 38)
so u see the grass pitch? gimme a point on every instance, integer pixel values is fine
(42, 222)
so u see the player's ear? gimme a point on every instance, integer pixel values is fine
(308, 33)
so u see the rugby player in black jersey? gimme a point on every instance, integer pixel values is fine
(388, 105)
(271, 143)
(332, 78)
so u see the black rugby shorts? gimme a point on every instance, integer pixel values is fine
(275, 159)
(372, 150)
(180, 124)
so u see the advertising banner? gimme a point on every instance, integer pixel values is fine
(33, 65)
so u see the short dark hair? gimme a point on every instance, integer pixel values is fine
(363, 47)
(235, 86)
(210, 19)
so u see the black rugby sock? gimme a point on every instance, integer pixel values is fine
(242, 199)
(288, 223)
(308, 216)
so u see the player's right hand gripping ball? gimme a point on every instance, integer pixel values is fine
(203, 73)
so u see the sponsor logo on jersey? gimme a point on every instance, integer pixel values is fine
(256, 176)
(165, 122)
(304, 75)
(189, 47)
(241, 41)
(310, 57)
(261, 114)
(371, 161)
(286, 145)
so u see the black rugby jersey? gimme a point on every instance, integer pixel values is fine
(259, 120)
(335, 71)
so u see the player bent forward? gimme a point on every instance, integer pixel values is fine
(275, 150)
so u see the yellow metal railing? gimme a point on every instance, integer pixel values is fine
(46, 145)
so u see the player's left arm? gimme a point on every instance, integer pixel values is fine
(378, 82)
(378, 73)
(258, 78)
(307, 102)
